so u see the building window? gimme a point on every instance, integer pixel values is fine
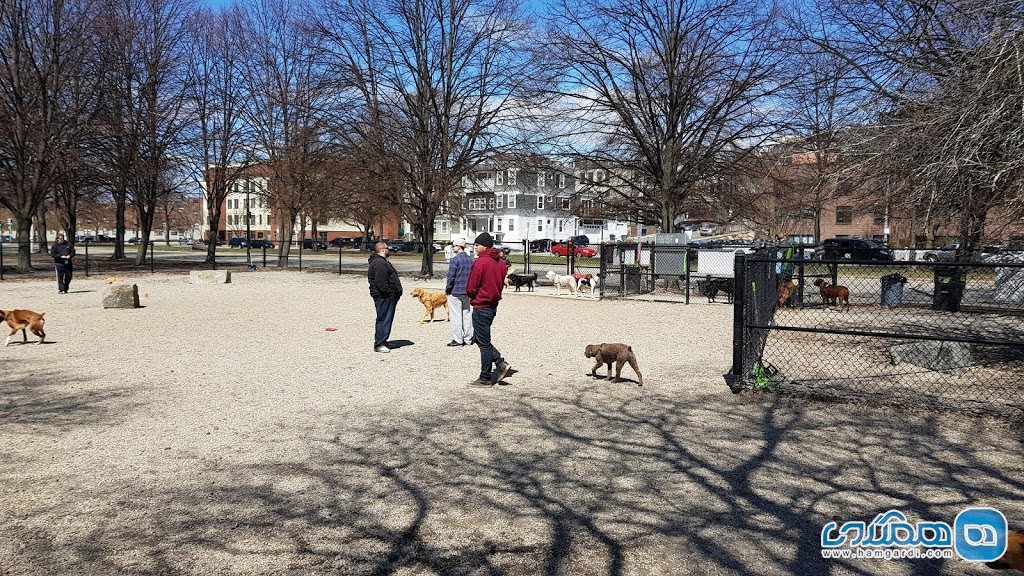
(879, 218)
(501, 197)
(844, 214)
(540, 202)
(565, 204)
(477, 204)
(499, 224)
(511, 177)
(444, 226)
(540, 179)
(490, 203)
(561, 225)
(511, 201)
(540, 225)
(511, 225)
(561, 180)
(499, 178)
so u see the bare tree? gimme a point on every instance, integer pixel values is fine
(285, 97)
(668, 95)
(222, 140)
(435, 86)
(946, 87)
(47, 89)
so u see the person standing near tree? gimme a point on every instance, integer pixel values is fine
(459, 310)
(486, 281)
(386, 290)
(63, 254)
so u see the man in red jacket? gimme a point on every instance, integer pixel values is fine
(486, 281)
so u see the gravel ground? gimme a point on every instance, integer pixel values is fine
(222, 430)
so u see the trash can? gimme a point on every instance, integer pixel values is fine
(949, 288)
(633, 280)
(892, 290)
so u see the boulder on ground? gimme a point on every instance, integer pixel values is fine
(933, 354)
(209, 277)
(121, 296)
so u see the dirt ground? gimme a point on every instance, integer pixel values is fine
(223, 430)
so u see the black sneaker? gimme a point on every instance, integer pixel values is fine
(503, 369)
(480, 383)
(454, 343)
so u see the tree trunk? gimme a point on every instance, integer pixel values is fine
(146, 217)
(287, 229)
(24, 243)
(120, 202)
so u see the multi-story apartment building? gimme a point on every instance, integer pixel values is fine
(248, 197)
(529, 202)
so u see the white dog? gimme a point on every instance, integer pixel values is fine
(591, 282)
(559, 281)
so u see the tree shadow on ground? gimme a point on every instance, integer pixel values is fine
(41, 401)
(548, 485)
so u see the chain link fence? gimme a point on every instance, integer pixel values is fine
(946, 335)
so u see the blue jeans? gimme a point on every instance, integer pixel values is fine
(385, 315)
(489, 355)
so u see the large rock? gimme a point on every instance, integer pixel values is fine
(209, 277)
(121, 296)
(933, 354)
(1009, 284)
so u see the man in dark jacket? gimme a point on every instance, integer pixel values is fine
(386, 290)
(459, 311)
(486, 281)
(62, 254)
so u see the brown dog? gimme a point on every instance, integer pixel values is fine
(834, 294)
(22, 319)
(431, 300)
(786, 289)
(1014, 556)
(609, 354)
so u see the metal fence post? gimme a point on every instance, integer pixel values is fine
(686, 266)
(86, 259)
(301, 244)
(264, 254)
(339, 257)
(800, 276)
(735, 376)
(152, 253)
(1, 259)
(603, 269)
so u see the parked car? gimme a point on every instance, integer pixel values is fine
(307, 244)
(948, 253)
(853, 249)
(502, 247)
(561, 249)
(398, 245)
(135, 240)
(261, 243)
(238, 242)
(541, 245)
(581, 240)
(186, 241)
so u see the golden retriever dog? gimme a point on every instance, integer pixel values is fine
(431, 300)
(1014, 556)
(22, 319)
(609, 354)
(786, 290)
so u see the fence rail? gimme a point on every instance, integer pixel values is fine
(944, 335)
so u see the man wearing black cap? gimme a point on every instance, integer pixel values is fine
(486, 281)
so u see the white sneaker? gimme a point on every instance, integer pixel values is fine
(382, 349)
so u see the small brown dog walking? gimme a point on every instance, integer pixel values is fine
(22, 319)
(1013, 558)
(431, 300)
(609, 354)
(834, 294)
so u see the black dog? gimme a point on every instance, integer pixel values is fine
(713, 286)
(519, 280)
